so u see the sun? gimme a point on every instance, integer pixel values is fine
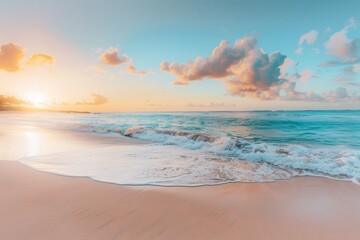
(37, 99)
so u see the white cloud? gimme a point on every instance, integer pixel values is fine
(309, 37)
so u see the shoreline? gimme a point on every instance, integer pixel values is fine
(40, 205)
(24, 109)
(180, 186)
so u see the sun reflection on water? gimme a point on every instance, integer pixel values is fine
(32, 142)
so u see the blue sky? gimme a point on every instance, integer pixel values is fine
(77, 33)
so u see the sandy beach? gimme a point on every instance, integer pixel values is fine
(180, 120)
(39, 205)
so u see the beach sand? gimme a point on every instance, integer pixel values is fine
(39, 205)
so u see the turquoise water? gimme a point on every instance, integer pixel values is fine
(202, 148)
(320, 128)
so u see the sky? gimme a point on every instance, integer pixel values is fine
(167, 55)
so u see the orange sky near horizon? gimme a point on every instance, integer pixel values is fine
(129, 56)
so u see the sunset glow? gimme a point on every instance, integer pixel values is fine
(37, 99)
(180, 119)
(189, 61)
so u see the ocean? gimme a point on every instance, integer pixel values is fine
(207, 148)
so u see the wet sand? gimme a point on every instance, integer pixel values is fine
(38, 205)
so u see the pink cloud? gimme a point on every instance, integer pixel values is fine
(340, 46)
(247, 71)
(131, 69)
(245, 68)
(288, 63)
(215, 66)
(352, 69)
(10, 57)
(306, 74)
(309, 37)
(111, 57)
(343, 48)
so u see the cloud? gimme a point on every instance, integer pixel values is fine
(245, 68)
(309, 37)
(247, 71)
(307, 74)
(131, 69)
(40, 59)
(340, 94)
(97, 100)
(346, 50)
(340, 46)
(111, 57)
(352, 69)
(342, 79)
(347, 81)
(356, 68)
(287, 91)
(288, 65)
(338, 63)
(218, 65)
(353, 84)
(10, 57)
(299, 50)
(12, 101)
(256, 76)
(210, 105)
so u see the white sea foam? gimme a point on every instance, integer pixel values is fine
(156, 165)
(334, 163)
(180, 161)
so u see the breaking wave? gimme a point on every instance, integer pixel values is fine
(178, 158)
(340, 164)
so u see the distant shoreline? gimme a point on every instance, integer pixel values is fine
(29, 109)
